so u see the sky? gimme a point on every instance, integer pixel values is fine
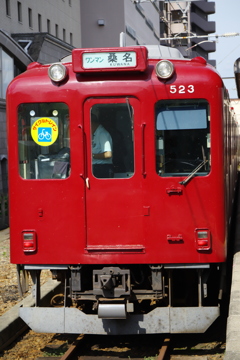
(227, 18)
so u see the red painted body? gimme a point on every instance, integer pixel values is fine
(129, 220)
(145, 219)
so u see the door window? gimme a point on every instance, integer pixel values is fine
(112, 140)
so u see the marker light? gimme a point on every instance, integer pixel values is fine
(29, 239)
(203, 239)
(57, 72)
(164, 69)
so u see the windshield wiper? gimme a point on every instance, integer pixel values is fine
(186, 180)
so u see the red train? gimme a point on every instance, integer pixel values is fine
(122, 171)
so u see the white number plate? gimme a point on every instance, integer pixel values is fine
(182, 89)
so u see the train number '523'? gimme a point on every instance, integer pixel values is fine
(182, 89)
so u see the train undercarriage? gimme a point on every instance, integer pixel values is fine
(128, 299)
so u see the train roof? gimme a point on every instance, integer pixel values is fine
(163, 52)
(154, 52)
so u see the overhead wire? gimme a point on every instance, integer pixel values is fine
(229, 53)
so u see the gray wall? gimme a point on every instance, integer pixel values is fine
(118, 16)
(138, 21)
(51, 52)
(112, 12)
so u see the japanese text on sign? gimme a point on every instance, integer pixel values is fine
(44, 131)
(109, 60)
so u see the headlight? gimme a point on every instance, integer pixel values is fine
(57, 72)
(164, 69)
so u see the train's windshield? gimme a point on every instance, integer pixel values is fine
(182, 137)
(43, 141)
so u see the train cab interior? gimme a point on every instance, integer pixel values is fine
(117, 119)
(43, 140)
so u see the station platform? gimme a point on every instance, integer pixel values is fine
(233, 322)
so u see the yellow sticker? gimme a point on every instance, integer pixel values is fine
(44, 131)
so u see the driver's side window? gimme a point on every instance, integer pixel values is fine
(182, 137)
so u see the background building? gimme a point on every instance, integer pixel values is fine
(103, 21)
(187, 19)
(59, 18)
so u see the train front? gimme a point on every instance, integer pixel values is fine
(133, 225)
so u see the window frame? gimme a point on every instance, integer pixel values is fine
(190, 146)
(8, 8)
(124, 165)
(47, 158)
(30, 19)
(19, 8)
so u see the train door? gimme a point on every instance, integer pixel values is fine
(113, 190)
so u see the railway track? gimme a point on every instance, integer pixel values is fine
(146, 347)
(85, 348)
(33, 346)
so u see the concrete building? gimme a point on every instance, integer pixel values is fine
(59, 18)
(187, 19)
(103, 21)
